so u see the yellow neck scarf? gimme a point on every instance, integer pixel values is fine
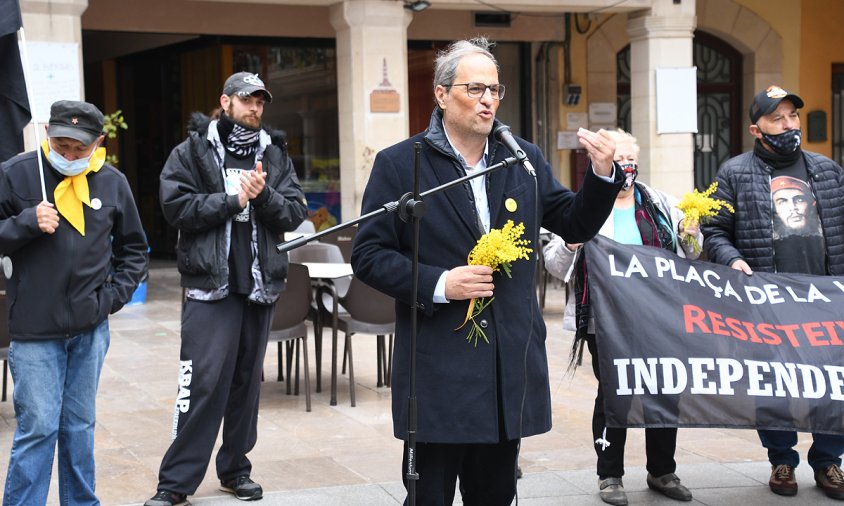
(73, 191)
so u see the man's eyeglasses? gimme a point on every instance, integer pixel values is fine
(477, 90)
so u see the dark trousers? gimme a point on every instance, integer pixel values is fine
(826, 449)
(222, 356)
(660, 444)
(487, 473)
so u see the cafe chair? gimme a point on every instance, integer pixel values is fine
(306, 227)
(381, 356)
(344, 238)
(291, 312)
(4, 342)
(316, 252)
(319, 252)
(368, 311)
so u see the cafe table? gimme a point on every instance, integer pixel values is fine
(324, 274)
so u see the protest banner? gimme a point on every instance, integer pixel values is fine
(695, 344)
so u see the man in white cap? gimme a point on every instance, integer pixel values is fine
(77, 257)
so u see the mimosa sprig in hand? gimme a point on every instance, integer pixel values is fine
(698, 208)
(496, 249)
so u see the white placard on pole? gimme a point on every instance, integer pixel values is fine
(676, 100)
(54, 69)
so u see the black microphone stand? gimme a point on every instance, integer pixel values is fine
(409, 207)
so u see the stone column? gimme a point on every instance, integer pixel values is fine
(371, 88)
(53, 21)
(660, 37)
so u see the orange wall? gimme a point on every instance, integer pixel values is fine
(822, 44)
(783, 17)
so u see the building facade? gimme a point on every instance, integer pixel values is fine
(352, 77)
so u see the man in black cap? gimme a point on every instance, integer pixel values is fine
(755, 184)
(78, 253)
(231, 193)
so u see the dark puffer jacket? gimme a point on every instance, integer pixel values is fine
(745, 182)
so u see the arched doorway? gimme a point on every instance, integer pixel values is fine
(718, 103)
(719, 117)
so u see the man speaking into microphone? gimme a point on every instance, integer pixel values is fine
(475, 400)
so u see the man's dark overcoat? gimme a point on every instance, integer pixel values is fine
(460, 386)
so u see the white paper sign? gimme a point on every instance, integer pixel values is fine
(676, 100)
(603, 113)
(55, 74)
(576, 120)
(567, 140)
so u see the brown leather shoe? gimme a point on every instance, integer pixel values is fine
(831, 480)
(782, 480)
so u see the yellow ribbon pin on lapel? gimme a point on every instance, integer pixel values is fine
(511, 205)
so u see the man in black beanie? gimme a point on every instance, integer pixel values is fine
(231, 193)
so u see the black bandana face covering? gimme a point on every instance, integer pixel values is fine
(785, 143)
(239, 140)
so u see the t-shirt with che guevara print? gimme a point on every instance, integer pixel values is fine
(798, 237)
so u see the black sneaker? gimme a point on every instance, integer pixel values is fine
(165, 498)
(243, 488)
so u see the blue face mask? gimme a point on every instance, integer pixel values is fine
(67, 167)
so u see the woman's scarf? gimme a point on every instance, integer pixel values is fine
(655, 229)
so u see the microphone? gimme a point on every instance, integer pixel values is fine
(503, 135)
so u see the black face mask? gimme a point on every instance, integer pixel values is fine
(785, 143)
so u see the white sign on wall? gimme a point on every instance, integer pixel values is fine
(602, 113)
(676, 100)
(576, 120)
(55, 74)
(568, 140)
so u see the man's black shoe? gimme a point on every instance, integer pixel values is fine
(165, 498)
(243, 488)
